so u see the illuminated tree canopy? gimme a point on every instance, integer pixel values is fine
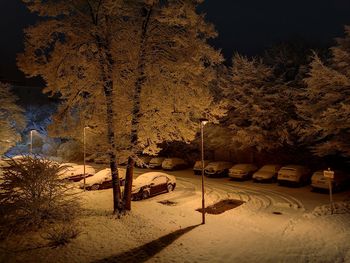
(139, 71)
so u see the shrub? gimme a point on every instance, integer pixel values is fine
(61, 234)
(32, 195)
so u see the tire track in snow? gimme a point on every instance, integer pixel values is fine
(255, 198)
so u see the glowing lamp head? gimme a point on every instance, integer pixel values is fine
(203, 121)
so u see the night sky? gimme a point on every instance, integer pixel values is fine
(244, 26)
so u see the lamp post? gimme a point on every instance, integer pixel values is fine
(31, 142)
(84, 146)
(203, 122)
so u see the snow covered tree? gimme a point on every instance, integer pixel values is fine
(12, 119)
(326, 108)
(72, 50)
(289, 61)
(174, 69)
(143, 65)
(262, 115)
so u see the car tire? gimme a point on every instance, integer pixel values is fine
(145, 194)
(170, 187)
(95, 187)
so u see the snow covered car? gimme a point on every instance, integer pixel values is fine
(267, 173)
(295, 174)
(143, 161)
(197, 168)
(102, 179)
(218, 168)
(174, 164)
(152, 183)
(156, 162)
(75, 172)
(339, 182)
(242, 171)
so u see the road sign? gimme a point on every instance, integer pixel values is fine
(328, 174)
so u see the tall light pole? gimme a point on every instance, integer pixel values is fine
(84, 146)
(203, 122)
(31, 142)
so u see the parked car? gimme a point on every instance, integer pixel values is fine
(156, 162)
(294, 174)
(75, 172)
(174, 164)
(197, 168)
(152, 183)
(102, 179)
(143, 161)
(267, 173)
(340, 181)
(242, 171)
(218, 168)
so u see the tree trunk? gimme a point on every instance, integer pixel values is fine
(108, 89)
(136, 110)
(106, 63)
(128, 183)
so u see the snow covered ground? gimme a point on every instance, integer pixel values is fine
(302, 230)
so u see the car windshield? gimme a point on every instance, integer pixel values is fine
(288, 169)
(268, 168)
(156, 160)
(143, 179)
(103, 175)
(213, 165)
(241, 166)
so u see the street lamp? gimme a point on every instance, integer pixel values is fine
(203, 122)
(84, 146)
(31, 142)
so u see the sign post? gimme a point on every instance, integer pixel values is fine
(330, 175)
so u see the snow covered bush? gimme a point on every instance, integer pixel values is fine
(32, 195)
(61, 234)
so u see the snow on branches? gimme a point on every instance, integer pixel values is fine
(261, 113)
(326, 107)
(12, 119)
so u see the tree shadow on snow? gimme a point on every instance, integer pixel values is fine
(147, 251)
